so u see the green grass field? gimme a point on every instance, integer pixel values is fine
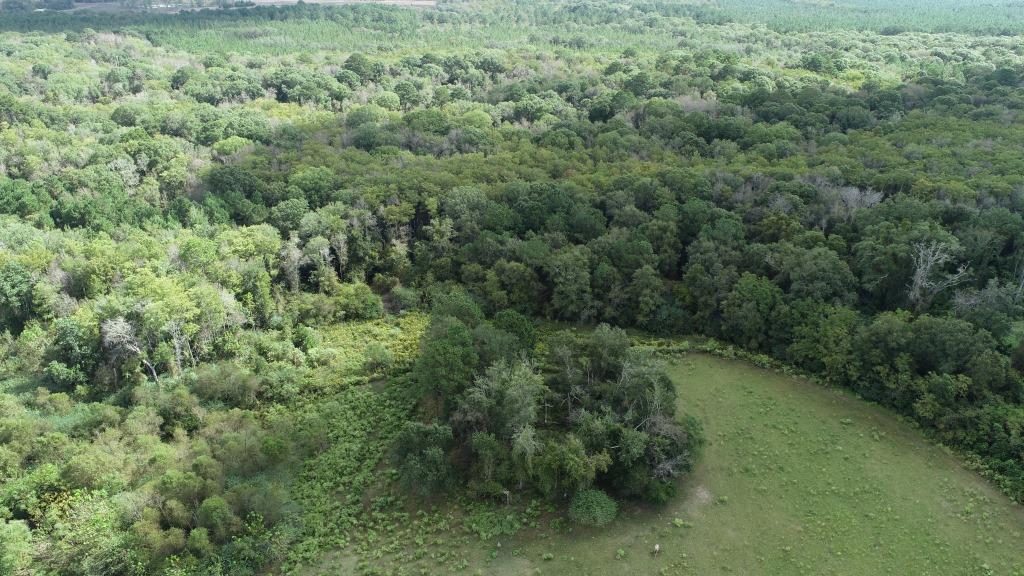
(796, 479)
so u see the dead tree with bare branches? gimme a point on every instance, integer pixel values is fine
(119, 337)
(929, 258)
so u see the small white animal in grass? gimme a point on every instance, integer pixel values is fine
(657, 548)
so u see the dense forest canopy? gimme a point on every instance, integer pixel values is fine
(266, 274)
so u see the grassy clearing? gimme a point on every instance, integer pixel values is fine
(797, 479)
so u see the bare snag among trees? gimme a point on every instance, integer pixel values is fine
(929, 258)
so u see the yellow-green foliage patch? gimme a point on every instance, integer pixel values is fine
(343, 350)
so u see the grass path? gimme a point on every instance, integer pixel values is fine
(796, 479)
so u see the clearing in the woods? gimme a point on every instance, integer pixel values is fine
(796, 479)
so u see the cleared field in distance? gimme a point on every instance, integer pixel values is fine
(172, 7)
(422, 3)
(796, 479)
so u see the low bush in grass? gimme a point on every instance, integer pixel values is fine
(593, 508)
